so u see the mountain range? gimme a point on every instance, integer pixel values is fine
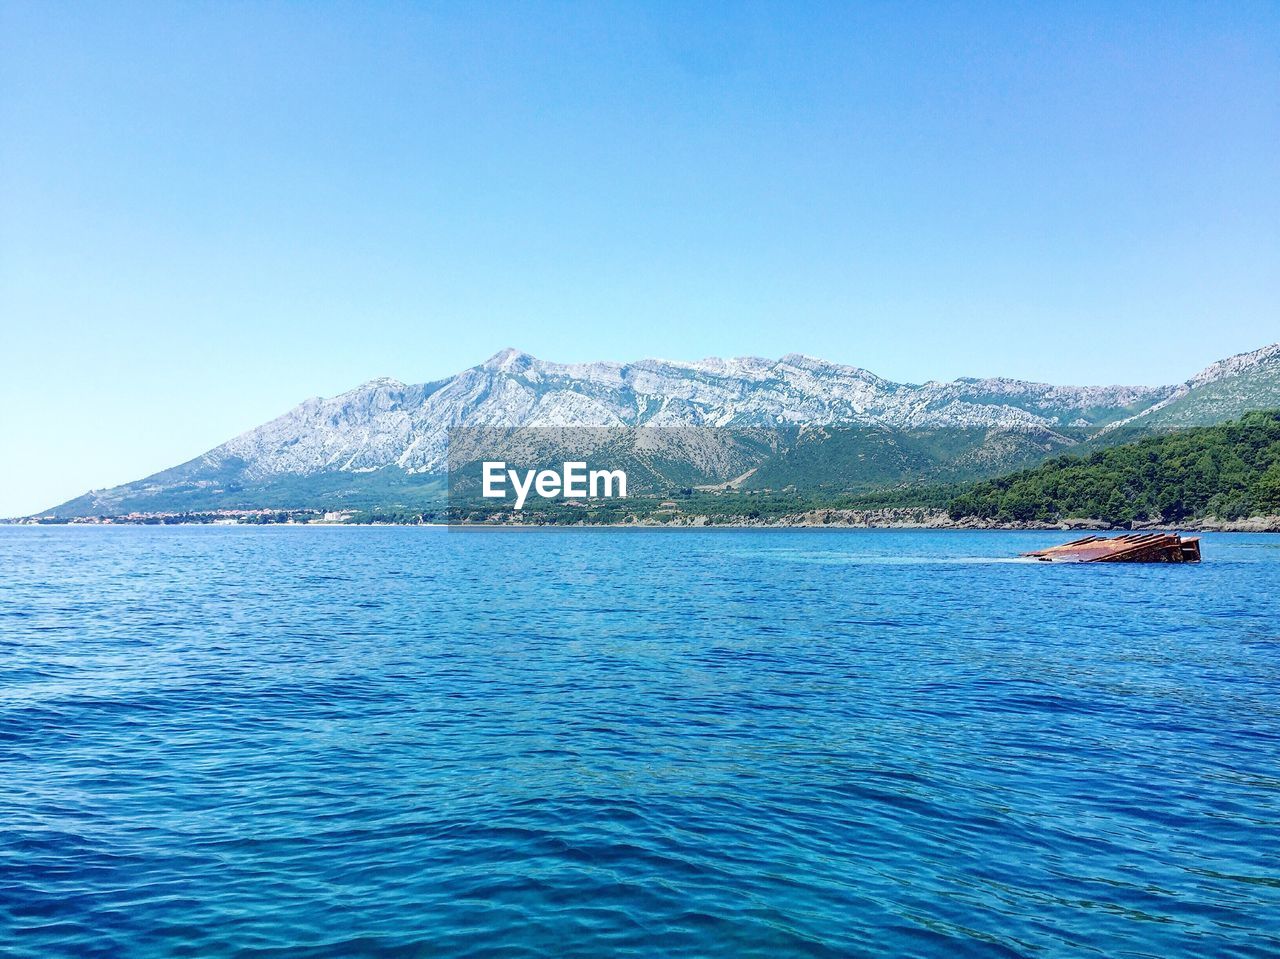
(386, 442)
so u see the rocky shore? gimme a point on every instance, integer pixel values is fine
(919, 518)
(885, 518)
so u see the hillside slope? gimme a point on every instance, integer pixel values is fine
(1229, 471)
(1223, 391)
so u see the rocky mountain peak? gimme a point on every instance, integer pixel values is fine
(509, 360)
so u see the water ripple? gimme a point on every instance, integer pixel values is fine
(405, 742)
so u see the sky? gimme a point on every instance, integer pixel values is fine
(212, 211)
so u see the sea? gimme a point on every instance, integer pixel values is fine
(416, 742)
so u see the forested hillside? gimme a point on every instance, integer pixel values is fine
(1229, 471)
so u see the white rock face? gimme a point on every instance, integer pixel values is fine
(385, 422)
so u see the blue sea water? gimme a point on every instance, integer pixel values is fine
(418, 742)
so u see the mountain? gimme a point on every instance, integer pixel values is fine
(1223, 391)
(385, 442)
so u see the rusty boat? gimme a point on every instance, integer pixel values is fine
(1129, 548)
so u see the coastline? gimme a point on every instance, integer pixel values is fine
(896, 519)
(837, 519)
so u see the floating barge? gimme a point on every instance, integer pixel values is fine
(1129, 548)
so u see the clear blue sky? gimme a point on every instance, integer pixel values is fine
(209, 212)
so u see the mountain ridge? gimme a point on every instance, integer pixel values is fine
(385, 426)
